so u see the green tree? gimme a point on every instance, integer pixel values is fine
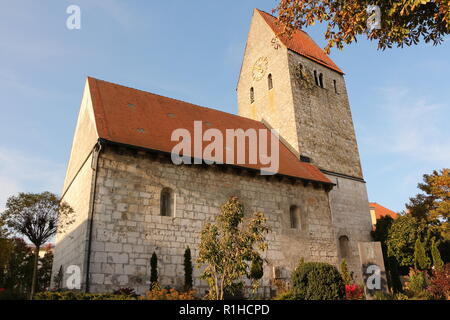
(227, 247)
(433, 205)
(437, 260)
(402, 236)
(344, 272)
(38, 217)
(421, 260)
(403, 22)
(153, 270)
(188, 270)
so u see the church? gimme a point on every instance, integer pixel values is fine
(131, 200)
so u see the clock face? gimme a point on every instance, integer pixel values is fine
(260, 68)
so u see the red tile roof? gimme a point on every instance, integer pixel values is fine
(301, 43)
(138, 118)
(381, 211)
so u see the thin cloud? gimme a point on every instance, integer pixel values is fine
(411, 126)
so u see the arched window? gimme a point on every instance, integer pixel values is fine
(344, 247)
(270, 81)
(293, 216)
(335, 86)
(321, 80)
(252, 95)
(315, 78)
(166, 202)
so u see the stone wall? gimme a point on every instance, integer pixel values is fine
(351, 218)
(324, 121)
(71, 245)
(128, 227)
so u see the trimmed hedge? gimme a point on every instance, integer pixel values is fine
(317, 281)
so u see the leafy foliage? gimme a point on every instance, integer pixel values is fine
(227, 247)
(440, 283)
(433, 205)
(403, 23)
(421, 260)
(437, 260)
(317, 281)
(188, 270)
(169, 294)
(404, 232)
(38, 217)
(354, 292)
(344, 273)
(71, 295)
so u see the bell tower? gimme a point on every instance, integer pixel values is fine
(293, 86)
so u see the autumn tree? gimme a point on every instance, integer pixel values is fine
(403, 22)
(228, 247)
(38, 217)
(433, 204)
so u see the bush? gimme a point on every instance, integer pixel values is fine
(440, 283)
(417, 282)
(70, 295)
(172, 294)
(354, 292)
(317, 281)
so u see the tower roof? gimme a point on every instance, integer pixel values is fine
(301, 43)
(146, 120)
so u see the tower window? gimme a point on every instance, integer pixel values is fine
(270, 81)
(315, 78)
(335, 86)
(321, 80)
(252, 95)
(166, 202)
(293, 216)
(344, 247)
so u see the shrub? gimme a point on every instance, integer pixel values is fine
(344, 272)
(153, 270)
(417, 282)
(421, 260)
(436, 255)
(71, 295)
(125, 292)
(172, 294)
(440, 283)
(317, 281)
(381, 295)
(354, 292)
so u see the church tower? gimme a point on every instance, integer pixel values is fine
(291, 85)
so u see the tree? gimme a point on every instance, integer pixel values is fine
(433, 204)
(187, 269)
(437, 260)
(402, 22)
(153, 270)
(402, 236)
(421, 260)
(38, 217)
(227, 247)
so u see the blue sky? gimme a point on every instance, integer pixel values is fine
(192, 50)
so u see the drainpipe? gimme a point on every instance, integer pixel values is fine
(94, 166)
